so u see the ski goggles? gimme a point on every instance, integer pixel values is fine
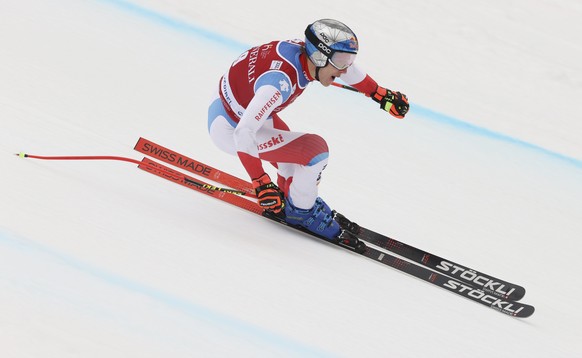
(342, 60)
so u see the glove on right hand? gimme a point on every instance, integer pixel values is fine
(269, 195)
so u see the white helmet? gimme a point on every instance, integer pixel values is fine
(330, 41)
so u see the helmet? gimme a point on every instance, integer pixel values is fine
(331, 41)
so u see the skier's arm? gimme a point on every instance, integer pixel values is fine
(393, 102)
(266, 99)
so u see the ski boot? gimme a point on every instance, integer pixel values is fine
(320, 221)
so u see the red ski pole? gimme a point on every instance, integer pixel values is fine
(134, 161)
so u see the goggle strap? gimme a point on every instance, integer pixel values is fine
(318, 43)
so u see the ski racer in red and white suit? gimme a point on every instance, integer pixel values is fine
(243, 119)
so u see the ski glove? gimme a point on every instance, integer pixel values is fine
(269, 195)
(393, 102)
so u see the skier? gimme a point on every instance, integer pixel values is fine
(243, 118)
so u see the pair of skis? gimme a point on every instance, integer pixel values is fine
(487, 290)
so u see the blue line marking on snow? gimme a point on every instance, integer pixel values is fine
(179, 25)
(468, 127)
(251, 333)
(415, 108)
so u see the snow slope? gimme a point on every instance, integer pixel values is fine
(100, 259)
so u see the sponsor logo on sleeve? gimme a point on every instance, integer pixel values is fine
(270, 103)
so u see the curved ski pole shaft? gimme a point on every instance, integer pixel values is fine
(134, 161)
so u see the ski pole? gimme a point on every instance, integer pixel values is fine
(350, 88)
(134, 161)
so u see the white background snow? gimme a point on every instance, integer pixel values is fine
(99, 259)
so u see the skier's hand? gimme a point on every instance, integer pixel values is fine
(269, 195)
(393, 102)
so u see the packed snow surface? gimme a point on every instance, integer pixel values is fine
(100, 259)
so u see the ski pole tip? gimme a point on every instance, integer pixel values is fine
(21, 155)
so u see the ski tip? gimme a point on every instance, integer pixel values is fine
(527, 312)
(517, 294)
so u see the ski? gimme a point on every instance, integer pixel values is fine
(512, 308)
(178, 160)
(488, 284)
(474, 278)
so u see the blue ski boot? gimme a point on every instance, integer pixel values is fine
(316, 219)
(320, 220)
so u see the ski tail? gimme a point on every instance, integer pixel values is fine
(187, 181)
(181, 161)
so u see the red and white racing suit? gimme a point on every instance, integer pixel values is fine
(243, 118)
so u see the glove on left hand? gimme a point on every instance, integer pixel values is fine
(393, 102)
